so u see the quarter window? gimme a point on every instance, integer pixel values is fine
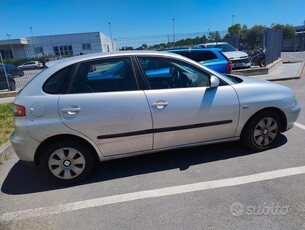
(110, 75)
(163, 73)
(54, 85)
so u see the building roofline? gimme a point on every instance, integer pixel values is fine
(59, 35)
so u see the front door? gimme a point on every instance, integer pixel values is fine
(185, 110)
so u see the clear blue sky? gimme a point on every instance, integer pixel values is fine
(133, 18)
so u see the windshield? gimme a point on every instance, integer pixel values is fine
(224, 47)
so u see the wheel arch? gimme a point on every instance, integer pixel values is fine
(62, 137)
(283, 118)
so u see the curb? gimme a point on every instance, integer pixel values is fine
(298, 75)
(8, 94)
(6, 150)
(259, 70)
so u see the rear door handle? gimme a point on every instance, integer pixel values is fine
(160, 104)
(71, 110)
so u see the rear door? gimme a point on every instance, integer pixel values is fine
(105, 105)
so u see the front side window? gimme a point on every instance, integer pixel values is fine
(107, 75)
(164, 73)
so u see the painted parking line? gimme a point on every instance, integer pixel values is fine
(299, 125)
(174, 190)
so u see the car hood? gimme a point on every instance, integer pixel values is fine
(236, 54)
(252, 90)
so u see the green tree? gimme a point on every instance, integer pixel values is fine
(255, 37)
(214, 36)
(288, 30)
(127, 48)
(234, 30)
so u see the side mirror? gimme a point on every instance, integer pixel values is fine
(214, 81)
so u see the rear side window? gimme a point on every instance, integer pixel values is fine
(200, 56)
(106, 75)
(54, 85)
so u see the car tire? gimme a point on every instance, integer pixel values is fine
(261, 132)
(67, 162)
(12, 85)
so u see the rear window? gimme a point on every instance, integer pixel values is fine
(198, 55)
(187, 54)
(203, 55)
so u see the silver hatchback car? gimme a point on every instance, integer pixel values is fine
(104, 106)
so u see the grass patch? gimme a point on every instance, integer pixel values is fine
(4, 159)
(6, 121)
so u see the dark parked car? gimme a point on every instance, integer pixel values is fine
(209, 57)
(13, 70)
(4, 83)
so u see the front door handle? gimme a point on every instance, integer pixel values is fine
(71, 110)
(160, 104)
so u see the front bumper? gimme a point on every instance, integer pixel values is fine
(292, 113)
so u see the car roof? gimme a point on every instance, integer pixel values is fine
(195, 49)
(80, 58)
(215, 43)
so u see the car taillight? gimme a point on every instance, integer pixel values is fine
(230, 65)
(19, 110)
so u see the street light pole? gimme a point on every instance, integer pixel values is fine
(111, 35)
(174, 30)
(31, 28)
(9, 38)
(233, 16)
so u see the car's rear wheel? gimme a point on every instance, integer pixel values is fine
(67, 162)
(12, 85)
(262, 131)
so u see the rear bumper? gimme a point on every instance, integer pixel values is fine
(239, 64)
(25, 147)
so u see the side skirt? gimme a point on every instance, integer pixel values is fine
(166, 149)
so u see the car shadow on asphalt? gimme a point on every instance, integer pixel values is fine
(23, 179)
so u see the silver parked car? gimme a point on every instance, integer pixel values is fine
(31, 65)
(104, 106)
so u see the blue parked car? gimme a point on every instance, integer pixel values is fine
(210, 57)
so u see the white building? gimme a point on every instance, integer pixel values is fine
(57, 45)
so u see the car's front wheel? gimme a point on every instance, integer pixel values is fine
(67, 162)
(262, 131)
